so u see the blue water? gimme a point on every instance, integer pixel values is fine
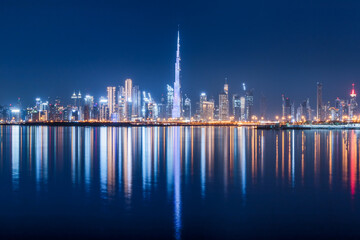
(178, 183)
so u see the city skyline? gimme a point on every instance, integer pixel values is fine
(193, 119)
(70, 54)
(130, 103)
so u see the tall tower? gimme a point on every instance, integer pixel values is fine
(111, 100)
(128, 89)
(353, 104)
(319, 102)
(224, 103)
(177, 97)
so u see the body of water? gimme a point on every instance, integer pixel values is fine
(178, 183)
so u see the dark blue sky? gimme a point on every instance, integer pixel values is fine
(49, 48)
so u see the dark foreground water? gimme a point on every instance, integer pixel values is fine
(178, 182)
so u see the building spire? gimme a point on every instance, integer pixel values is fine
(178, 43)
(226, 87)
(176, 111)
(353, 93)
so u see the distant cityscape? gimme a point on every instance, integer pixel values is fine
(129, 103)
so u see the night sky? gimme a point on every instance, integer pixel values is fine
(50, 48)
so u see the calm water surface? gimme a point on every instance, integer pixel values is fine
(178, 183)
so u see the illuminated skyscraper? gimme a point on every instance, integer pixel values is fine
(242, 108)
(226, 87)
(128, 89)
(236, 103)
(74, 99)
(206, 108)
(169, 101)
(339, 108)
(249, 103)
(224, 103)
(177, 98)
(111, 95)
(88, 107)
(136, 102)
(286, 107)
(104, 110)
(353, 104)
(187, 109)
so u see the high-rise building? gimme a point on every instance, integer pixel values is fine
(286, 107)
(236, 104)
(249, 103)
(226, 87)
(353, 106)
(136, 102)
(128, 89)
(128, 97)
(207, 111)
(112, 103)
(187, 109)
(103, 109)
(121, 103)
(203, 97)
(319, 105)
(74, 99)
(176, 111)
(88, 107)
(339, 109)
(38, 103)
(162, 107)
(301, 112)
(206, 108)
(149, 107)
(169, 101)
(242, 109)
(224, 103)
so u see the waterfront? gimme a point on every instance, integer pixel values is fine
(178, 182)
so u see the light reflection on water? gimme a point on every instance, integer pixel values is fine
(182, 168)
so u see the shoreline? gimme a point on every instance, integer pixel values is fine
(129, 124)
(270, 126)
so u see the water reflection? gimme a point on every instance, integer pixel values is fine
(123, 163)
(15, 156)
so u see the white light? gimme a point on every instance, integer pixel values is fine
(15, 110)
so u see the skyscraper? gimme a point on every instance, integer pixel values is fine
(319, 102)
(224, 103)
(74, 99)
(111, 95)
(128, 98)
(128, 89)
(187, 109)
(339, 109)
(136, 101)
(177, 98)
(236, 103)
(104, 110)
(353, 104)
(88, 107)
(242, 109)
(206, 108)
(249, 103)
(286, 107)
(169, 101)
